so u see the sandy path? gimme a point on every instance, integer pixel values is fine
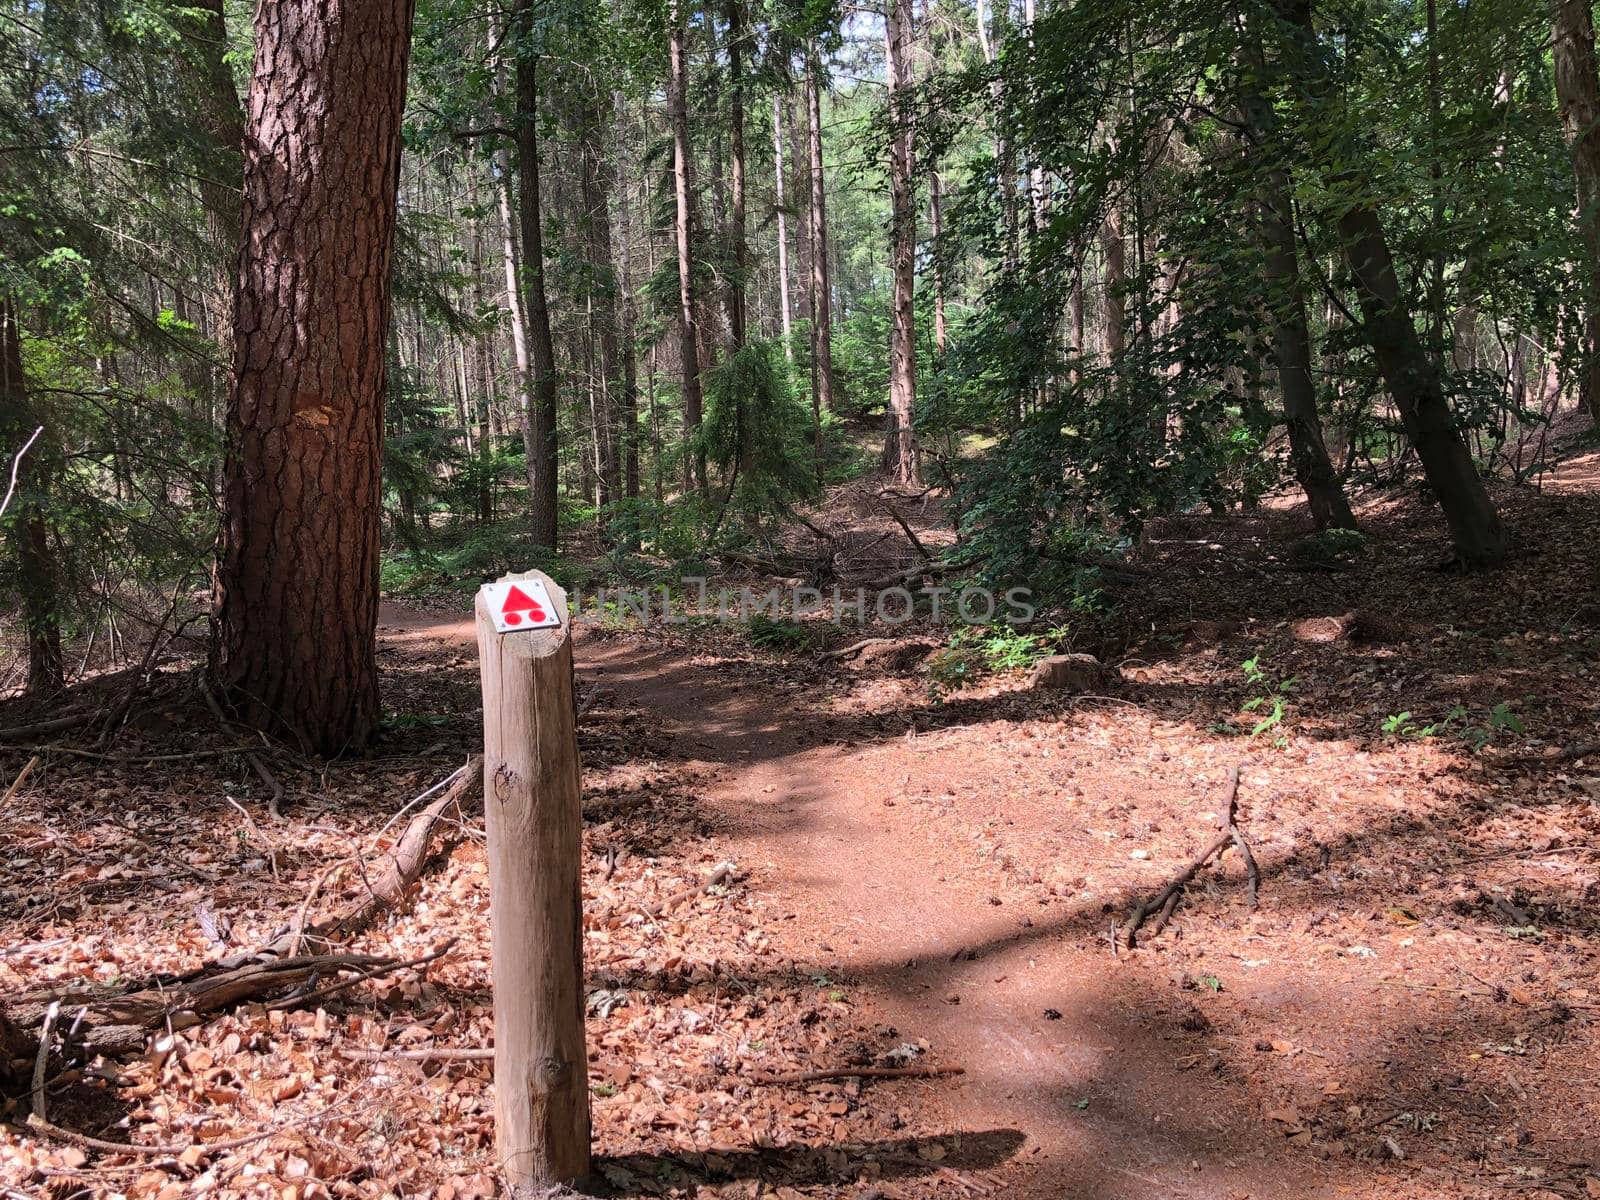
(883, 901)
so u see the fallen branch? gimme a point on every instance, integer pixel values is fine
(22, 778)
(1565, 755)
(117, 1022)
(402, 868)
(1165, 902)
(362, 976)
(21, 733)
(431, 1054)
(274, 788)
(722, 873)
(856, 648)
(40, 1106)
(857, 1073)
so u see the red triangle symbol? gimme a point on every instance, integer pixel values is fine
(518, 600)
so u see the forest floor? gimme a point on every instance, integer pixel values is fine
(919, 877)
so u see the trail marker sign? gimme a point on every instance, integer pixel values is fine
(518, 605)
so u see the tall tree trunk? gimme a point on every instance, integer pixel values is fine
(941, 328)
(1114, 305)
(1409, 373)
(683, 194)
(733, 11)
(1286, 307)
(628, 401)
(296, 588)
(1578, 90)
(821, 300)
(38, 579)
(597, 179)
(784, 307)
(899, 450)
(510, 258)
(215, 100)
(1004, 156)
(540, 430)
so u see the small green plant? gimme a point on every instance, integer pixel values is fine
(1500, 722)
(1329, 544)
(1271, 699)
(1005, 648)
(775, 633)
(1400, 725)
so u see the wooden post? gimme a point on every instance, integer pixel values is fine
(534, 822)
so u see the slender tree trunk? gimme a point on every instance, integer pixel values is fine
(543, 463)
(1410, 374)
(899, 450)
(1578, 90)
(1004, 157)
(216, 102)
(296, 592)
(1114, 304)
(683, 192)
(628, 401)
(821, 300)
(784, 307)
(511, 259)
(38, 579)
(597, 180)
(941, 328)
(733, 11)
(1286, 306)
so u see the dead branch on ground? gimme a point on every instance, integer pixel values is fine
(1165, 902)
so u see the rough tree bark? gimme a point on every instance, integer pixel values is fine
(296, 585)
(1578, 90)
(29, 535)
(733, 12)
(1411, 376)
(899, 449)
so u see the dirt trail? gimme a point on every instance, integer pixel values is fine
(885, 898)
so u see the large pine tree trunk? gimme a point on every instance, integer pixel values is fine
(1410, 375)
(683, 195)
(296, 589)
(540, 430)
(1578, 90)
(1291, 336)
(821, 300)
(899, 450)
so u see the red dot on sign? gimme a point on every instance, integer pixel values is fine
(536, 613)
(513, 618)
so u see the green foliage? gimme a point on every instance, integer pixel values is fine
(758, 433)
(776, 633)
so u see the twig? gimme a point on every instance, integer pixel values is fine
(1165, 902)
(120, 711)
(16, 462)
(19, 733)
(40, 1106)
(305, 907)
(275, 803)
(361, 976)
(442, 1053)
(56, 748)
(21, 779)
(858, 1073)
(722, 873)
